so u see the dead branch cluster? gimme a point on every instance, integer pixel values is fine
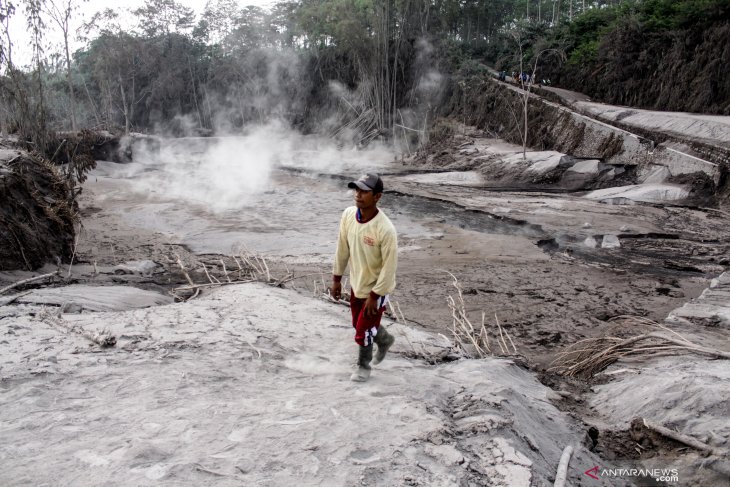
(590, 356)
(37, 215)
(474, 341)
(103, 338)
(245, 267)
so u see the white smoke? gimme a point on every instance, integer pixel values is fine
(227, 173)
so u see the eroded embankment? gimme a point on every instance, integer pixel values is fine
(499, 109)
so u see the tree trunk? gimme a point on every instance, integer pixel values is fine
(91, 102)
(524, 135)
(132, 99)
(195, 94)
(560, 5)
(125, 108)
(71, 95)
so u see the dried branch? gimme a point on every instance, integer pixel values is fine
(102, 338)
(27, 281)
(685, 439)
(502, 343)
(211, 279)
(212, 284)
(184, 271)
(283, 280)
(465, 335)
(240, 269)
(514, 349)
(225, 271)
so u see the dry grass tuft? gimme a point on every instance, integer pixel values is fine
(243, 268)
(590, 356)
(473, 341)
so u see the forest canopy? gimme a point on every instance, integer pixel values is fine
(353, 68)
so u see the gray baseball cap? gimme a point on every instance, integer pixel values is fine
(368, 182)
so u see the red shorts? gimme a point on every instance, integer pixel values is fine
(366, 327)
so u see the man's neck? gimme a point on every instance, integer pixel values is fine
(367, 214)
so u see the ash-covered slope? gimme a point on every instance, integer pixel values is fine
(250, 386)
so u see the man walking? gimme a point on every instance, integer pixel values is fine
(368, 242)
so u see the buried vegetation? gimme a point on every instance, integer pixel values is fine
(588, 357)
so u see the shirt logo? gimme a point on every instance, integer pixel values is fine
(368, 240)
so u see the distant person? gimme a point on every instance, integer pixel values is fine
(368, 242)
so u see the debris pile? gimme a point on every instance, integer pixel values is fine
(37, 211)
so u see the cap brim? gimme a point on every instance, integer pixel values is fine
(358, 184)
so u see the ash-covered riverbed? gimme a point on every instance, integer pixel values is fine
(523, 257)
(553, 266)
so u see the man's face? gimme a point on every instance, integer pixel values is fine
(366, 199)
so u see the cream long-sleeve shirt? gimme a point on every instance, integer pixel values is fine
(371, 249)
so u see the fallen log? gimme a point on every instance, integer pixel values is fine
(27, 281)
(685, 439)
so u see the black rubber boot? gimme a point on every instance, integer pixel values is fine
(384, 341)
(364, 358)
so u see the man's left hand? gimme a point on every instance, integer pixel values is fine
(371, 306)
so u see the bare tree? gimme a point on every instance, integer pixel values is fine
(24, 94)
(7, 10)
(158, 17)
(219, 19)
(60, 12)
(526, 84)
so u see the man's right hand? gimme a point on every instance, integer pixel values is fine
(336, 290)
